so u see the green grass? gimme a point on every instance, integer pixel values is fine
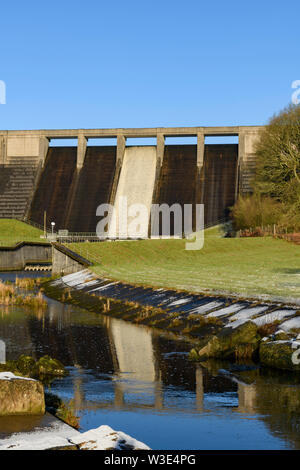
(249, 267)
(14, 231)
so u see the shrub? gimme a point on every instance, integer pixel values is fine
(255, 211)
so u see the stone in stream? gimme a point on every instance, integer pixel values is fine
(20, 395)
(46, 365)
(282, 354)
(242, 341)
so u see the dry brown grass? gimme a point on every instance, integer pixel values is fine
(9, 296)
(268, 329)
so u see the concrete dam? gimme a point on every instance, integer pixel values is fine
(70, 182)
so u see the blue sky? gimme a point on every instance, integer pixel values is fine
(93, 64)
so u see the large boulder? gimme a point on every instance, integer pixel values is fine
(20, 395)
(282, 354)
(240, 342)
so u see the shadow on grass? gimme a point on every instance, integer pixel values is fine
(287, 270)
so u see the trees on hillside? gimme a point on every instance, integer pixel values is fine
(278, 158)
(277, 181)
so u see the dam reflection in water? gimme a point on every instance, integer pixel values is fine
(140, 381)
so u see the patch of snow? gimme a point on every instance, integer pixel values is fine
(273, 316)
(11, 376)
(54, 435)
(290, 324)
(207, 307)
(227, 310)
(59, 434)
(103, 287)
(249, 312)
(104, 438)
(237, 323)
(87, 284)
(77, 278)
(180, 302)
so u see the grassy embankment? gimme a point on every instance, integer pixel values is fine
(249, 267)
(14, 231)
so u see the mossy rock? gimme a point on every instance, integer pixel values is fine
(26, 365)
(233, 343)
(281, 335)
(46, 365)
(279, 355)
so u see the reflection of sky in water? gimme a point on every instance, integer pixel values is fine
(141, 382)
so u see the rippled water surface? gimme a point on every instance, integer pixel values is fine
(140, 381)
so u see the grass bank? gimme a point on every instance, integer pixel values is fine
(249, 267)
(14, 231)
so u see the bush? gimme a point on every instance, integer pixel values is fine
(255, 211)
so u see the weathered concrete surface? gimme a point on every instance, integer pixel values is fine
(247, 159)
(25, 145)
(219, 181)
(93, 187)
(136, 184)
(16, 257)
(65, 261)
(177, 180)
(20, 396)
(55, 187)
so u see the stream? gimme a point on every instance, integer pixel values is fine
(139, 380)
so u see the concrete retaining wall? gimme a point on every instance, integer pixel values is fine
(66, 261)
(15, 258)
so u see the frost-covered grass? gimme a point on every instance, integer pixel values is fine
(257, 267)
(14, 231)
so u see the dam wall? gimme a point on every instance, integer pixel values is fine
(93, 187)
(69, 183)
(21, 159)
(54, 187)
(177, 183)
(219, 181)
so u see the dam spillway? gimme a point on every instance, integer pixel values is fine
(69, 183)
(136, 184)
